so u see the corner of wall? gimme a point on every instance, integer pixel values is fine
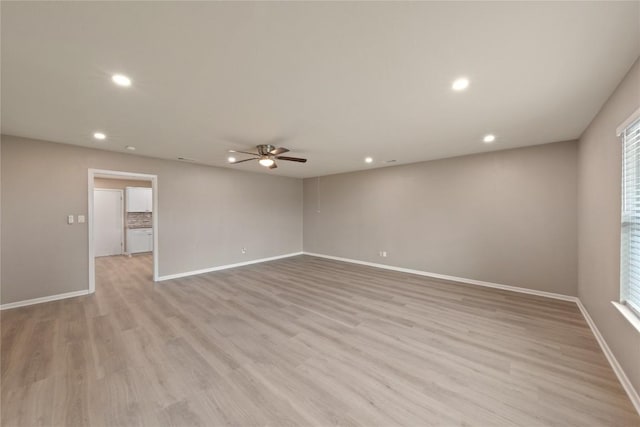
(599, 201)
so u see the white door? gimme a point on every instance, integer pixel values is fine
(108, 225)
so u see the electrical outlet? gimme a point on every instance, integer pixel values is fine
(243, 250)
(383, 254)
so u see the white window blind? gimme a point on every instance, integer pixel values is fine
(630, 249)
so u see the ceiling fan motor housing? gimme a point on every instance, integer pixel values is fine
(265, 149)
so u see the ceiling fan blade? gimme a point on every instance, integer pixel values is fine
(292, 159)
(273, 166)
(245, 160)
(279, 150)
(243, 152)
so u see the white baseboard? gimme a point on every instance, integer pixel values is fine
(168, 277)
(43, 299)
(622, 377)
(224, 267)
(452, 278)
(617, 369)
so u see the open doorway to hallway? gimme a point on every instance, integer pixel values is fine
(123, 226)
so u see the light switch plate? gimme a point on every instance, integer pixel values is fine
(80, 219)
(70, 219)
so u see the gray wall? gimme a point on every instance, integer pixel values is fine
(119, 184)
(206, 215)
(507, 217)
(599, 200)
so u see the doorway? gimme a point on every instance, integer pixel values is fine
(114, 217)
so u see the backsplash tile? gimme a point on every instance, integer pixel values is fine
(139, 219)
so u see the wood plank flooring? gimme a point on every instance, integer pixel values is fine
(302, 341)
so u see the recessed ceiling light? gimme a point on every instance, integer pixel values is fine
(130, 148)
(121, 80)
(368, 160)
(231, 159)
(460, 84)
(489, 138)
(99, 135)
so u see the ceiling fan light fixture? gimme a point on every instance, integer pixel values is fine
(266, 162)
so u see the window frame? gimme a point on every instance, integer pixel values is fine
(627, 308)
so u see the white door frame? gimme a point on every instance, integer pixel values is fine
(103, 173)
(121, 215)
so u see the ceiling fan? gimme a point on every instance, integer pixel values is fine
(267, 155)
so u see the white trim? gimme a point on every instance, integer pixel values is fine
(452, 278)
(103, 173)
(224, 267)
(617, 369)
(628, 314)
(43, 299)
(632, 118)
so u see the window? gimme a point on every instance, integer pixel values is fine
(630, 242)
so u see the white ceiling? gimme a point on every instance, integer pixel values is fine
(334, 82)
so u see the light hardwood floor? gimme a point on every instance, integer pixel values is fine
(302, 341)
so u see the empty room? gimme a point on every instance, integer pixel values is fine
(320, 213)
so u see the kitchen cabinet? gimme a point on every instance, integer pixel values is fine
(139, 240)
(139, 199)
